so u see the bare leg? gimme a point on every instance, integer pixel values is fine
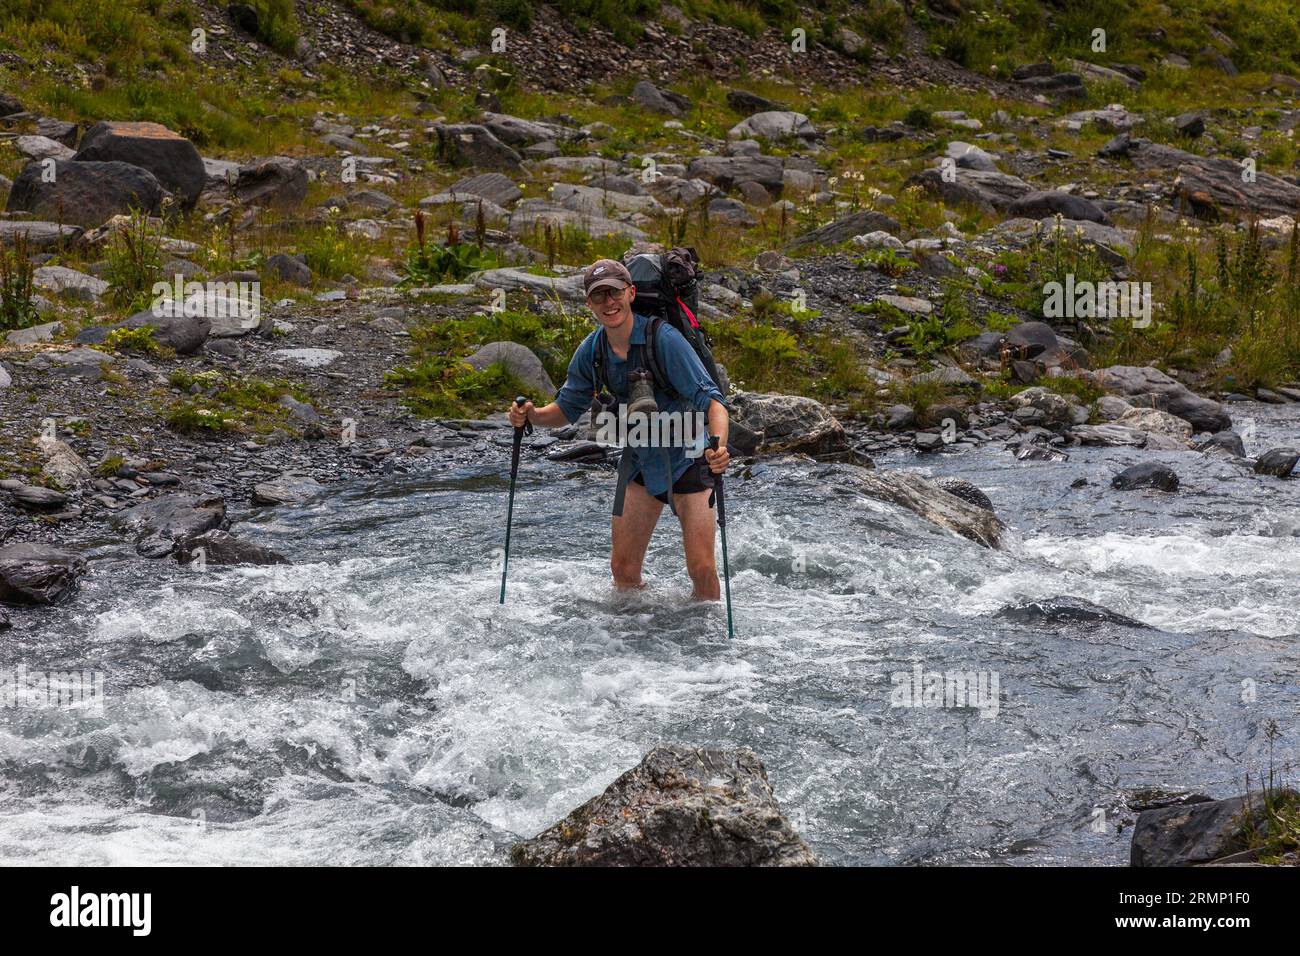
(698, 520)
(630, 536)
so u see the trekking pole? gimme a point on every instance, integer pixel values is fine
(722, 523)
(525, 429)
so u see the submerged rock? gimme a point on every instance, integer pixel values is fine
(1148, 474)
(1064, 610)
(681, 806)
(37, 573)
(222, 547)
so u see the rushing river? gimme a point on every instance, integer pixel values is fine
(372, 703)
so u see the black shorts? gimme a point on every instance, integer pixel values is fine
(690, 482)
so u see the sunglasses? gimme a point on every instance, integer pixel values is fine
(601, 296)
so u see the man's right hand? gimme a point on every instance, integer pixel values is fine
(519, 413)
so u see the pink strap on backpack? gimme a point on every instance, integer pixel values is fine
(689, 314)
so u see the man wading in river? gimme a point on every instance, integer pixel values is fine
(612, 371)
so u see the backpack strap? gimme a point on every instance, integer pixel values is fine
(650, 354)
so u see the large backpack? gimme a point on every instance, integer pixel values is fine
(668, 290)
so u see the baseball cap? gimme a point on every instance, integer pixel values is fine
(606, 274)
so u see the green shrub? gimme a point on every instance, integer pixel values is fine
(17, 311)
(134, 262)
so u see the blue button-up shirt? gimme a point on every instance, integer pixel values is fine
(683, 369)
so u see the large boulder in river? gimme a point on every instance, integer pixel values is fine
(170, 157)
(1192, 834)
(944, 508)
(37, 573)
(161, 524)
(1148, 474)
(681, 806)
(85, 193)
(1154, 389)
(786, 423)
(1278, 462)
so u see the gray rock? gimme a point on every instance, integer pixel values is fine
(1225, 442)
(774, 126)
(730, 211)
(965, 491)
(649, 96)
(1055, 409)
(1031, 339)
(742, 101)
(785, 423)
(900, 416)
(275, 181)
(36, 498)
(1153, 388)
(726, 171)
(926, 499)
(1037, 205)
(39, 236)
(60, 280)
(843, 230)
(968, 156)
(290, 269)
(34, 334)
(1195, 833)
(85, 193)
(222, 547)
(1278, 462)
(517, 132)
(497, 187)
(59, 130)
(42, 147)
(6, 379)
(519, 361)
(183, 334)
(986, 189)
(37, 573)
(286, 490)
(62, 465)
(468, 144)
(681, 806)
(172, 158)
(158, 526)
(1190, 124)
(1148, 474)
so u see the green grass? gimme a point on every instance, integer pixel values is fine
(231, 403)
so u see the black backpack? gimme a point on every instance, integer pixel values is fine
(668, 290)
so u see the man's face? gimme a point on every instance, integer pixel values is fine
(612, 307)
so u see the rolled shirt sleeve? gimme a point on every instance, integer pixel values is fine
(685, 371)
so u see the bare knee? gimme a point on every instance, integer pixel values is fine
(626, 571)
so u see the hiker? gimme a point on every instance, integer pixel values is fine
(649, 477)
